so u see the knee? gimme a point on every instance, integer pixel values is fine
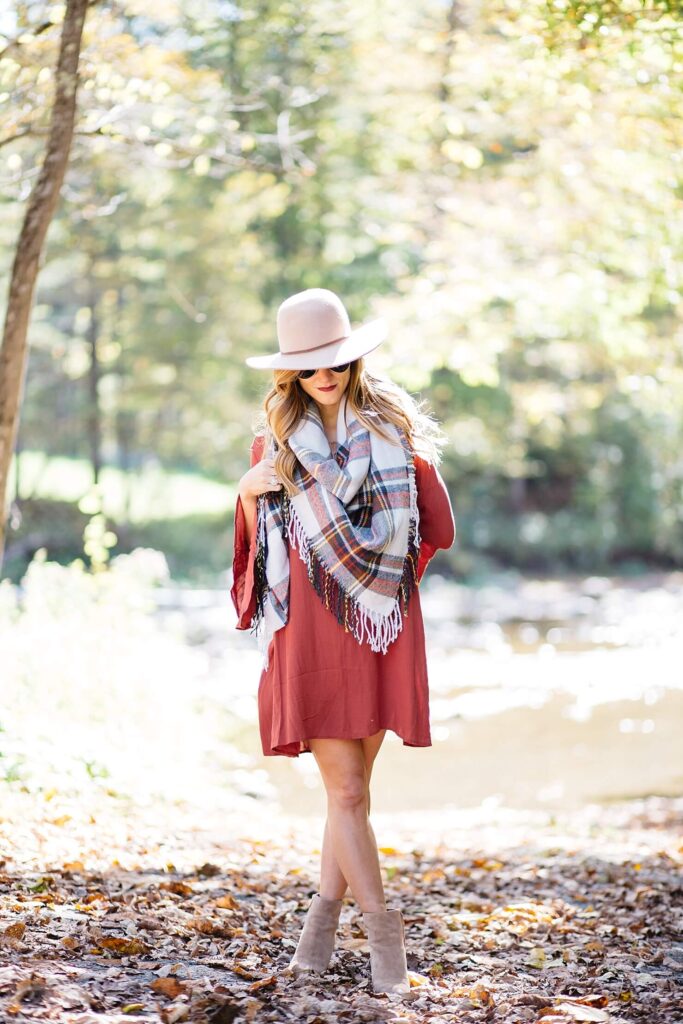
(349, 793)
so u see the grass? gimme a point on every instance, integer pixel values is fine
(148, 494)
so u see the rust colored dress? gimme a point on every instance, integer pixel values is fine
(320, 681)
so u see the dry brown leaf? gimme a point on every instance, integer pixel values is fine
(238, 969)
(480, 996)
(433, 875)
(263, 983)
(169, 987)
(175, 1012)
(227, 902)
(354, 944)
(92, 897)
(216, 927)
(177, 887)
(123, 947)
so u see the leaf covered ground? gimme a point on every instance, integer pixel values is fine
(112, 911)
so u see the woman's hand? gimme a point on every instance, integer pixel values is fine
(259, 479)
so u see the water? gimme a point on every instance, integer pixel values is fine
(543, 694)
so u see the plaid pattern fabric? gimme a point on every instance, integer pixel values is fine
(354, 523)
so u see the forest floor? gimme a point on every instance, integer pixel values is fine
(113, 911)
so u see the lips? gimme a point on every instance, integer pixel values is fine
(330, 388)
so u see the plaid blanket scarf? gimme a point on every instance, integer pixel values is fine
(354, 523)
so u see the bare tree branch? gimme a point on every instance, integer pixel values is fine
(33, 32)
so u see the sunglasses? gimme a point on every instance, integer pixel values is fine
(305, 374)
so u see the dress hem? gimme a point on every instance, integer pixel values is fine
(277, 751)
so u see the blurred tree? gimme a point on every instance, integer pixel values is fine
(501, 180)
(39, 212)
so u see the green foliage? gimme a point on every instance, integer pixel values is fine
(503, 181)
(198, 548)
(97, 537)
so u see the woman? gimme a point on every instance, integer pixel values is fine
(336, 520)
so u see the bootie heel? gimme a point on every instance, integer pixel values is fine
(316, 942)
(386, 937)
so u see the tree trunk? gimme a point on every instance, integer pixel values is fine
(42, 204)
(94, 417)
(17, 474)
(125, 438)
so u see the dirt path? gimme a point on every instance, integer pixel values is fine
(111, 913)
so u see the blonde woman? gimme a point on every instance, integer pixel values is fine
(336, 519)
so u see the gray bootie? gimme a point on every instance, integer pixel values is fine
(316, 942)
(386, 937)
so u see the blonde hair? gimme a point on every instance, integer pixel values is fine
(367, 392)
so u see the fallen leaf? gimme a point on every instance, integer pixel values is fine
(433, 875)
(92, 897)
(123, 947)
(177, 887)
(581, 1012)
(175, 1012)
(207, 870)
(31, 988)
(263, 983)
(536, 957)
(227, 903)
(169, 987)
(480, 996)
(354, 944)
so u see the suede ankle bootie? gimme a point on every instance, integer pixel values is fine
(316, 942)
(386, 937)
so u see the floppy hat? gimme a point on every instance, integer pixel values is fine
(314, 330)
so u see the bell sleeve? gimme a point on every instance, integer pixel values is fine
(437, 522)
(244, 553)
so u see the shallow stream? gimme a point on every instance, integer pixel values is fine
(543, 693)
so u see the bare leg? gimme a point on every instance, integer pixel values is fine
(344, 772)
(333, 885)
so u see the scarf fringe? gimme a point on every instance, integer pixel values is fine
(260, 581)
(381, 629)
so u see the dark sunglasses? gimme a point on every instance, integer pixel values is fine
(305, 374)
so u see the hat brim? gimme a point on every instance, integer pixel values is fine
(361, 340)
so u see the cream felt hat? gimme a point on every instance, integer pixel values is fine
(313, 330)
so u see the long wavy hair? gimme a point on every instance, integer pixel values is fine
(286, 401)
